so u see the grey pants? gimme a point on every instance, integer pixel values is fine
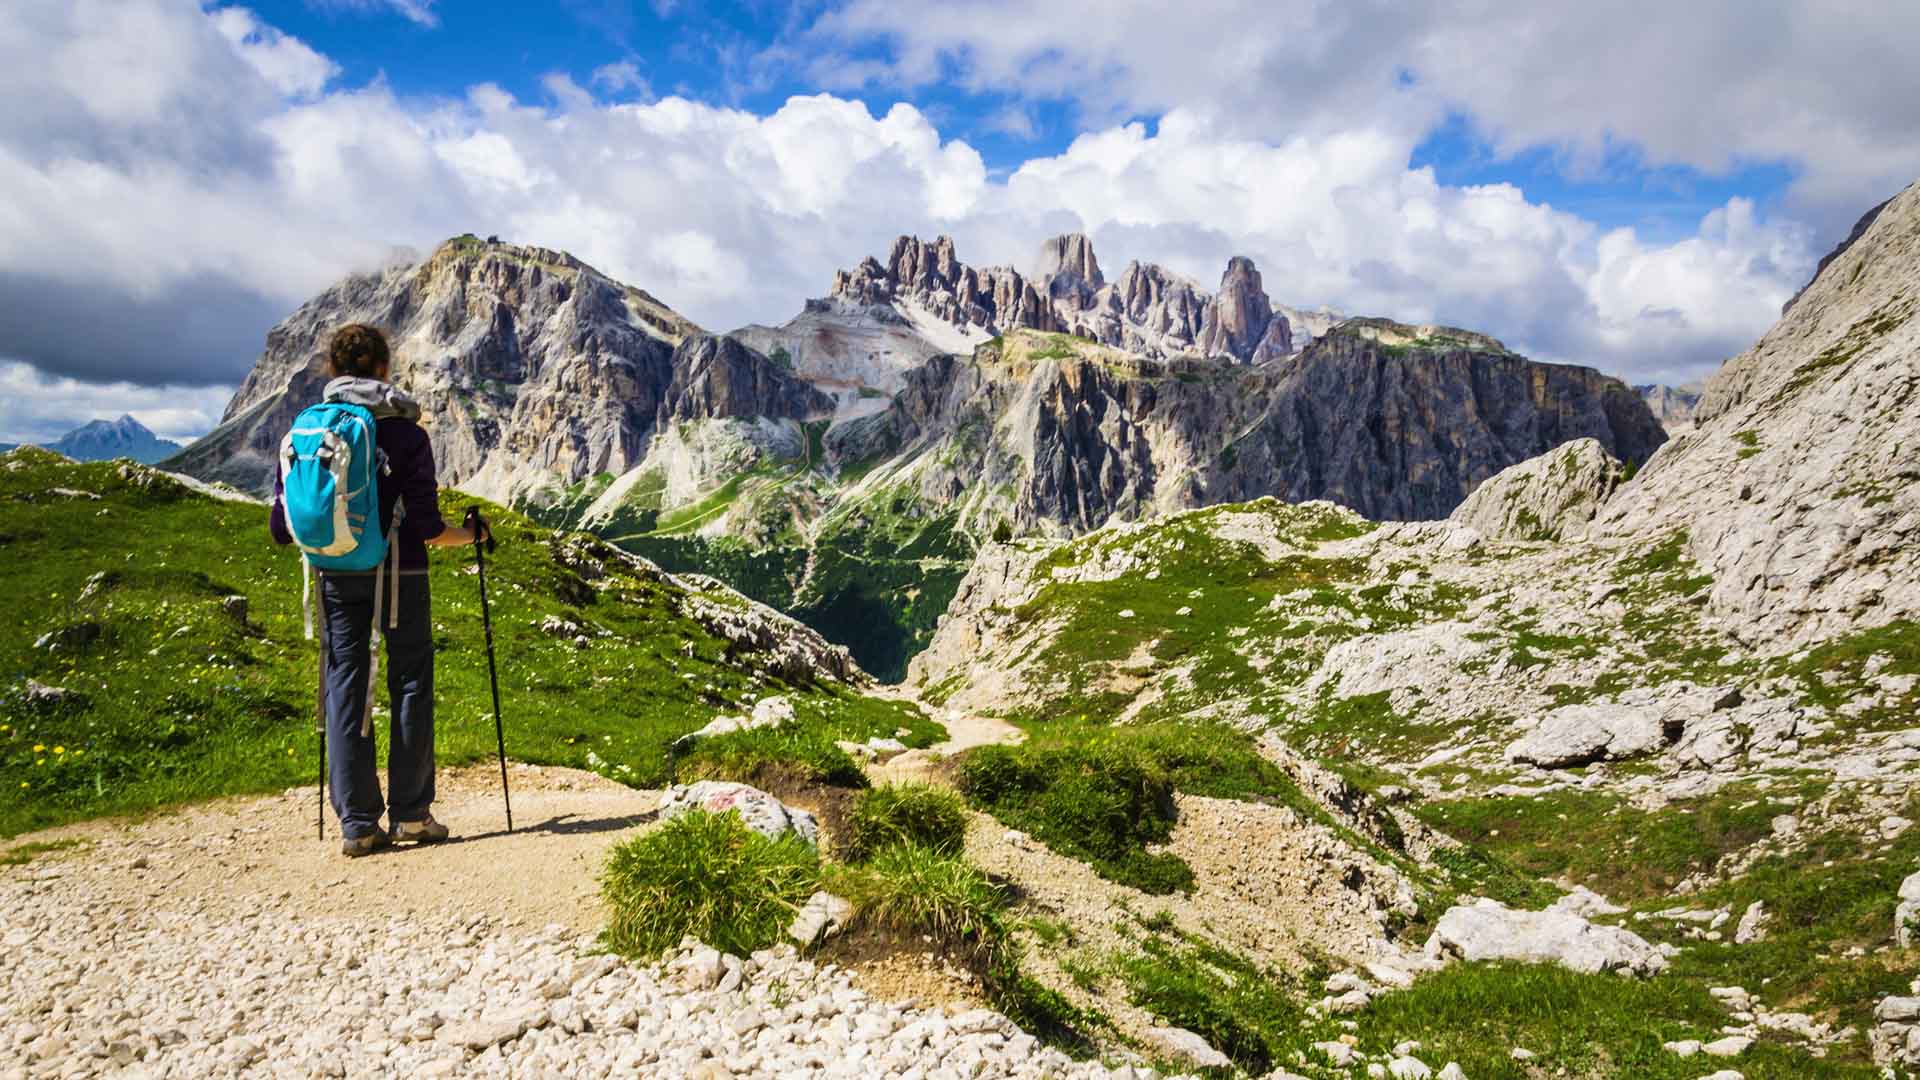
(346, 602)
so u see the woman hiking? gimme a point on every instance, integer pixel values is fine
(359, 367)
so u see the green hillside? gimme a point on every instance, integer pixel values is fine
(119, 574)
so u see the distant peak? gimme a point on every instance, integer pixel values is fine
(1070, 254)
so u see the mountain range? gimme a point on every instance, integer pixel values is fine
(846, 465)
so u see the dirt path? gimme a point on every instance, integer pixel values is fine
(964, 732)
(243, 854)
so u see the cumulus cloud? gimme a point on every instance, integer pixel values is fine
(152, 237)
(1710, 84)
(288, 64)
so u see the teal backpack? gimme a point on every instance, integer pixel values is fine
(329, 477)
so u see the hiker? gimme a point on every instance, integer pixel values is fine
(392, 599)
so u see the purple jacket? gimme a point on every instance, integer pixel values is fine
(411, 478)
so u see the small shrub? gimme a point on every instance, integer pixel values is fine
(1002, 531)
(709, 876)
(914, 890)
(916, 814)
(1101, 801)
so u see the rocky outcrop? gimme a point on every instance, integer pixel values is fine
(719, 378)
(1148, 311)
(1673, 406)
(1543, 498)
(529, 366)
(1796, 490)
(1240, 322)
(1074, 435)
(930, 277)
(758, 810)
(1068, 266)
(1402, 423)
(1488, 930)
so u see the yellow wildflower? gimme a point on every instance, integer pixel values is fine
(59, 749)
(39, 749)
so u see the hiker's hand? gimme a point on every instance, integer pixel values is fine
(477, 530)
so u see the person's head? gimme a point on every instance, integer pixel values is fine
(360, 351)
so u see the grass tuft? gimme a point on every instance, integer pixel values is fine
(917, 814)
(706, 876)
(911, 890)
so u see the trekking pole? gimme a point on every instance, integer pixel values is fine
(320, 723)
(477, 524)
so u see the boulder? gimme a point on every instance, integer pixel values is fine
(760, 811)
(1582, 734)
(1753, 924)
(1186, 1046)
(1906, 916)
(1489, 930)
(821, 917)
(767, 712)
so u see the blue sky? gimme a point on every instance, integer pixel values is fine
(1633, 186)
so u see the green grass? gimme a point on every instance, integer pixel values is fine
(1578, 1025)
(1834, 673)
(1601, 841)
(1209, 600)
(919, 815)
(1252, 1015)
(708, 876)
(917, 892)
(173, 700)
(1101, 802)
(22, 854)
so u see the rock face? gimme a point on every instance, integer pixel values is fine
(1543, 498)
(1673, 406)
(1075, 436)
(1148, 311)
(1487, 930)
(529, 365)
(1796, 489)
(719, 378)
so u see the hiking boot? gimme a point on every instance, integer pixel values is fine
(424, 831)
(355, 846)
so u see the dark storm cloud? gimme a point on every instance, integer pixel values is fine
(196, 330)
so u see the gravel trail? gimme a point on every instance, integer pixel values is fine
(225, 939)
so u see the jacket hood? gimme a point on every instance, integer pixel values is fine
(381, 399)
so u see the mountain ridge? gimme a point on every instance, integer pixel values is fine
(922, 400)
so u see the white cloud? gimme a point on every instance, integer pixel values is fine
(1710, 84)
(419, 12)
(288, 63)
(620, 77)
(158, 244)
(35, 408)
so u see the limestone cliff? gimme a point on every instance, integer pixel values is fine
(1060, 435)
(1796, 490)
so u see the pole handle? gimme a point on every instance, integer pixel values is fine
(478, 525)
